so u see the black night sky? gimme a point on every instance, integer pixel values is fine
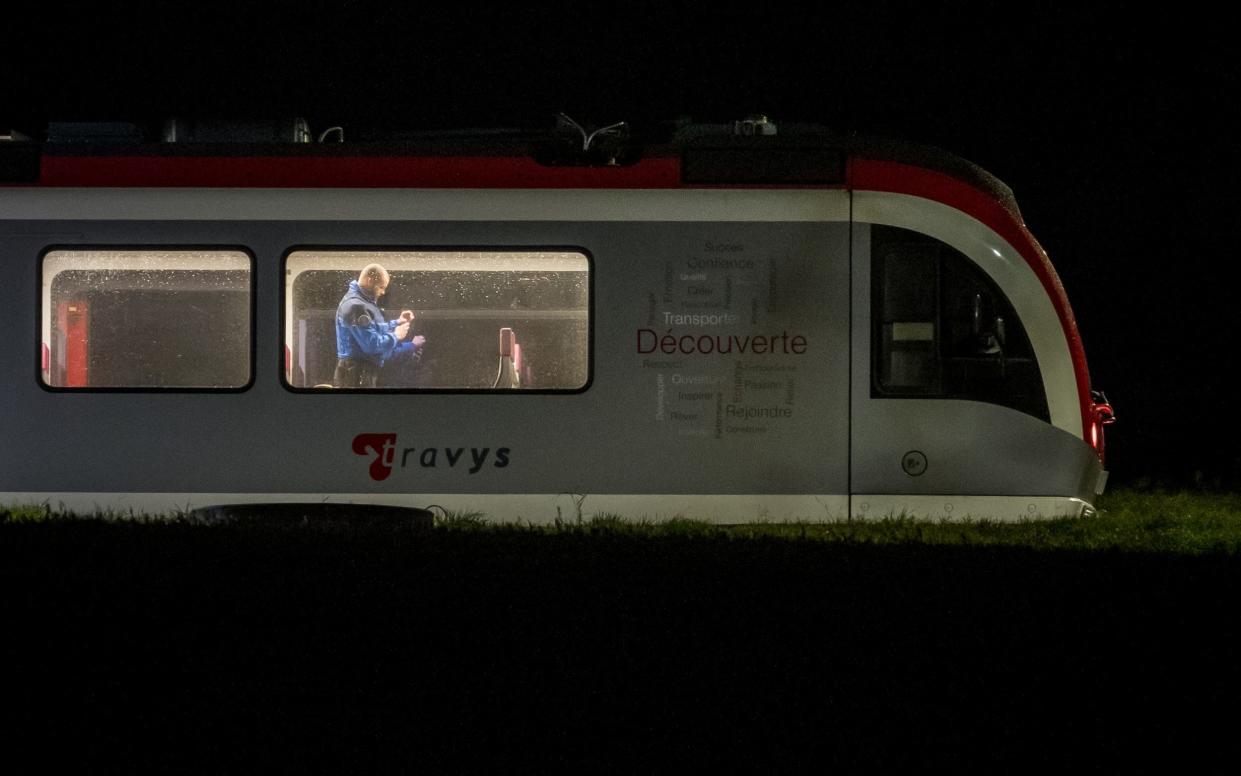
(1118, 135)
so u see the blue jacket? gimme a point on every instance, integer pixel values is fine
(361, 330)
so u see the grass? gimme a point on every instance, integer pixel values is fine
(1185, 522)
(1167, 522)
(1182, 522)
(885, 644)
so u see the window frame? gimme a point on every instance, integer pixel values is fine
(285, 293)
(252, 353)
(878, 274)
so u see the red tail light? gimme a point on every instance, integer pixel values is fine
(1103, 416)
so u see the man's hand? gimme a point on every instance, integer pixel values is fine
(418, 340)
(407, 316)
(400, 332)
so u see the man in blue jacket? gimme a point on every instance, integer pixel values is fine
(364, 340)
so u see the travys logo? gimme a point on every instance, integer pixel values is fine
(382, 446)
(383, 451)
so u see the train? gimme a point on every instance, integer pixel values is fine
(734, 322)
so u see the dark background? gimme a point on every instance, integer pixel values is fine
(1118, 133)
(1118, 136)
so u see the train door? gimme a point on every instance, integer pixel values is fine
(955, 411)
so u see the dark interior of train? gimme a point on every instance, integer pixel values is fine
(943, 329)
(191, 328)
(461, 314)
(164, 328)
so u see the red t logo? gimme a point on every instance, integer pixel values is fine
(382, 446)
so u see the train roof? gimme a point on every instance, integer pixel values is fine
(750, 152)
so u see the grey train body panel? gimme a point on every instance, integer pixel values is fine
(657, 429)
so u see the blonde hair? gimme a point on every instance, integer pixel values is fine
(372, 275)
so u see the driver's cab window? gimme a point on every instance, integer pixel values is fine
(942, 329)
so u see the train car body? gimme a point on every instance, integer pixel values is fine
(731, 328)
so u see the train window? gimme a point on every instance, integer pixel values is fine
(146, 319)
(942, 328)
(478, 320)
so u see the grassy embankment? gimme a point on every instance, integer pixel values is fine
(272, 646)
(1158, 521)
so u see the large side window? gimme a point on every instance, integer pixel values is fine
(943, 329)
(146, 319)
(502, 320)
